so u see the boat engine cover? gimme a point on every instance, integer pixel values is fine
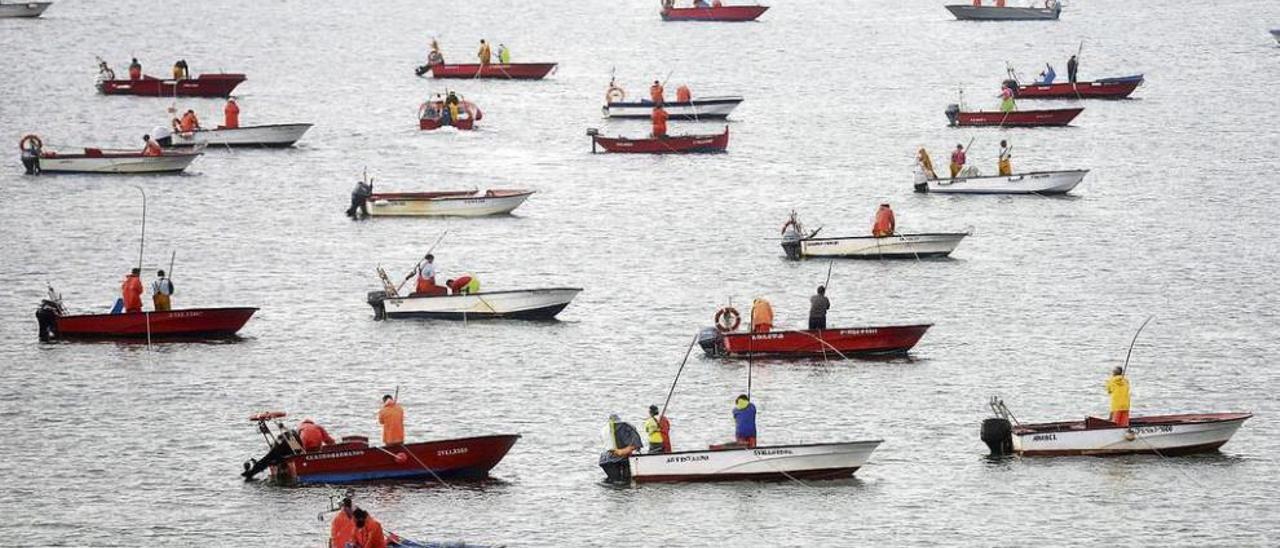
(953, 113)
(997, 433)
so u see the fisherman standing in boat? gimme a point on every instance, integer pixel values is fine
(659, 120)
(391, 417)
(925, 163)
(957, 160)
(504, 54)
(1118, 388)
(744, 421)
(435, 57)
(1004, 166)
(368, 532)
(658, 428)
(31, 155)
(343, 529)
(885, 224)
(1006, 100)
(818, 306)
(656, 92)
(1073, 65)
(360, 200)
(313, 436)
(180, 70)
(231, 114)
(761, 316)
(620, 441)
(131, 291)
(162, 292)
(426, 282)
(484, 53)
(135, 69)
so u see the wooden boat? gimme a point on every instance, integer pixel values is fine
(1015, 118)
(813, 461)
(96, 160)
(522, 304)
(354, 460)
(1105, 88)
(271, 136)
(191, 323)
(722, 13)
(840, 341)
(22, 9)
(1049, 11)
(703, 108)
(499, 71)
(430, 116)
(1035, 182)
(673, 144)
(462, 203)
(204, 85)
(898, 246)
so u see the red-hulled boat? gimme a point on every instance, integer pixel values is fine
(672, 144)
(192, 323)
(508, 71)
(204, 85)
(837, 342)
(1018, 118)
(354, 460)
(1106, 88)
(721, 13)
(432, 115)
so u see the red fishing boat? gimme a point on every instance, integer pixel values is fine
(721, 13)
(672, 144)
(499, 71)
(1017, 118)
(354, 460)
(192, 323)
(836, 342)
(204, 85)
(1106, 88)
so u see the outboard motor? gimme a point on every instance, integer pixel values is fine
(953, 114)
(279, 451)
(791, 246)
(617, 472)
(422, 69)
(377, 299)
(709, 339)
(47, 317)
(997, 433)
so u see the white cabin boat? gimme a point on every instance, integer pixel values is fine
(1035, 182)
(464, 203)
(524, 304)
(897, 246)
(703, 108)
(1047, 11)
(273, 135)
(775, 462)
(1158, 434)
(22, 9)
(115, 161)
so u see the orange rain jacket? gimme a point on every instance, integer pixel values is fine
(391, 417)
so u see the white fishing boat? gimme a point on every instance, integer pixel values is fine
(1049, 10)
(816, 461)
(22, 9)
(897, 246)
(1157, 434)
(94, 160)
(1275, 33)
(1035, 182)
(523, 304)
(703, 108)
(463, 203)
(273, 135)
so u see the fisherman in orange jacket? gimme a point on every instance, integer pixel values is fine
(368, 532)
(131, 291)
(391, 417)
(343, 529)
(313, 436)
(683, 95)
(231, 114)
(190, 122)
(655, 93)
(659, 119)
(151, 147)
(761, 316)
(885, 223)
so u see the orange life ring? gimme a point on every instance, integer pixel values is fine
(614, 95)
(728, 319)
(22, 143)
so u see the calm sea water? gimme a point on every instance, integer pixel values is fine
(117, 445)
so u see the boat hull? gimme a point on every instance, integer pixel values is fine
(23, 9)
(107, 162)
(464, 458)
(722, 13)
(849, 341)
(1161, 434)
(675, 144)
(1117, 88)
(1018, 118)
(204, 85)
(526, 304)
(271, 136)
(819, 461)
(710, 108)
(898, 246)
(509, 71)
(967, 12)
(427, 205)
(193, 323)
(1035, 182)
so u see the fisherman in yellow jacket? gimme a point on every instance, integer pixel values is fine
(1118, 387)
(1005, 165)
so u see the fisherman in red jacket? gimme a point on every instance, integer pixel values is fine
(885, 223)
(231, 114)
(313, 436)
(131, 291)
(343, 529)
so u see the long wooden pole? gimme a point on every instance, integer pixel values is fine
(678, 372)
(1125, 370)
(142, 241)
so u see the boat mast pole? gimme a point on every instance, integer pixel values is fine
(1125, 370)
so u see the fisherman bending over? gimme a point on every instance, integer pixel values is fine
(620, 441)
(313, 436)
(151, 147)
(885, 224)
(1047, 76)
(343, 529)
(360, 200)
(368, 532)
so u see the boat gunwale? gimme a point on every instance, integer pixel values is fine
(1135, 422)
(253, 309)
(483, 293)
(876, 443)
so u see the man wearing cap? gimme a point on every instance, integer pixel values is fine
(161, 292)
(1118, 387)
(658, 429)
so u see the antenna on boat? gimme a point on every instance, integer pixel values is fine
(1125, 370)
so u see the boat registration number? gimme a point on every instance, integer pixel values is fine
(454, 451)
(1044, 437)
(1161, 429)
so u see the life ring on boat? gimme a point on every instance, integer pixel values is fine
(22, 143)
(267, 415)
(614, 95)
(728, 319)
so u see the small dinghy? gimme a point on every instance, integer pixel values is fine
(185, 324)
(498, 71)
(271, 136)
(811, 461)
(1105, 88)
(461, 203)
(22, 9)
(1048, 11)
(204, 85)
(1165, 435)
(354, 460)
(672, 144)
(1057, 117)
(434, 115)
(714, 13)
(797, 245)
(1035, 182)
(97, 160)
